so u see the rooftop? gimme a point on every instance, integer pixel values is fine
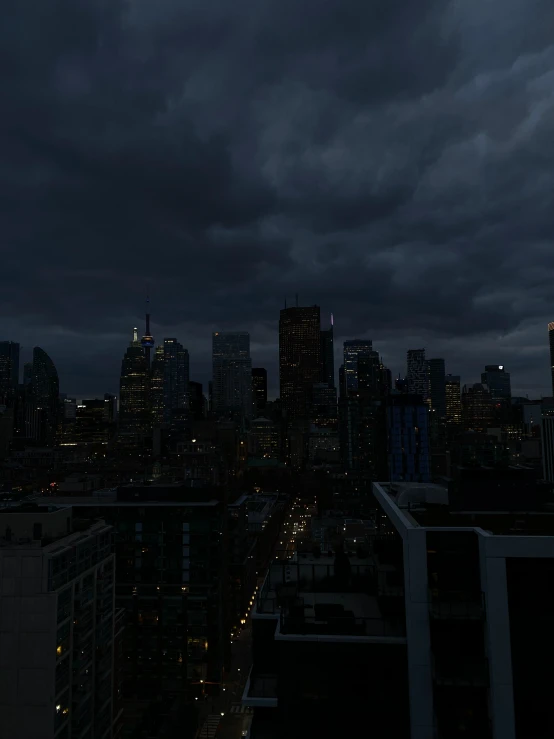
(426, 505)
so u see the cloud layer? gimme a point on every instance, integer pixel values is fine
(392, 162)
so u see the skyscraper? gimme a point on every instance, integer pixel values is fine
(354, 350)
(418, 374)
(232, 374)
(477, 408)
(437, 387)
(498, 381)
(45, 390)
(259, 389)
(9, 371)
(408, 438)
(176, 378)
(453, 400)
(299, 359)
(147, 341)
(157, 387)
(551, 341)
(134, 407)
(328, 356)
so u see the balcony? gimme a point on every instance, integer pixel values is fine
(325, 599)
(260, 691)
(456, 604)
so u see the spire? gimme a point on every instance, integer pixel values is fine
(135, 335)
(147, 341)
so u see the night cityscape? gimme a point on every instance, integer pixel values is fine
(276, 369)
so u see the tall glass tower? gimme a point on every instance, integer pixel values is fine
(418, 374)
(134, 407)
(299, 359)
(353, 351)
(232, 374)
(45, 391)
(176, 378)
(498, 381)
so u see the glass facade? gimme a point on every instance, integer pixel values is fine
(134, 410)
(498, 381)
(45, 391)
(408, 437)
(299, 359)
(232, 374)
(418, 374)
(176, 378)
(352, 352)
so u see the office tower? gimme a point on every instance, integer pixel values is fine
(9, 372)
(453, 398)
(386, 380)
(437, 387)
(176, 378)
(352, 351)
(477, 408)
(157, 387)
(418, 374)
(27, 373)
(408, 438)
(299, 359)
(197, 401)
(479, 653)
(362, 429)
(498, 381)
(147, 341)
(45, 390)
(57, 636)
(134, 388)
(91, 425)
(551, 342)
(547, 438)
(232, 374)
(110, 408)
(171, 577)
(264, 440)
(328, 356)
(324, 405)
(259, 389)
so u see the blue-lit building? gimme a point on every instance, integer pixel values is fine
(408, 438)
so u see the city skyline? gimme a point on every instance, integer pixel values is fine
(265, 354)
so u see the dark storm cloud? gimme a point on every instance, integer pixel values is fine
(390, 161)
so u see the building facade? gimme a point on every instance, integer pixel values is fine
(437, 387)
(176, 378)
(354, 350)
(497, 380)
(299, 359)
(259, 389)
(477, 408)
(328, 356)
(9, 371)
(453, 399)
(408, 438)
(45, 392)
(418, 374)
(134, 395)
(232, 374)
(58, 626)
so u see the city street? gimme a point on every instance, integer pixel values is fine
(222, 715)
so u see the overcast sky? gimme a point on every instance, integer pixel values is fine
(391, 161)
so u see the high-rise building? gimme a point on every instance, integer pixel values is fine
(259, 389)
(232, 374)
(453, 396)
(299, 359)
(45, 389)
(418, 374)
(157, 387)
(551, 342)
(354, 350)
(147, 342)
(176, 378)
(477, 408)
(134, 407)
(9, 371)
(547, 438)
(171, 579)
(408, 438)
(498, 381)
(57, 636)
(91, 427)
(437, 387)
(328, 356)
(263, 439)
